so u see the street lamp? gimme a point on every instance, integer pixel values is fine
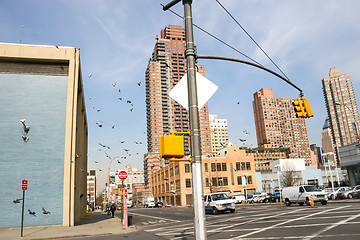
(278, 167)
(330, 172)
(108, 177)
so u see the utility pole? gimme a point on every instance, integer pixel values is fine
(195, 144)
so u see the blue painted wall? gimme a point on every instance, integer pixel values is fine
(41, 100)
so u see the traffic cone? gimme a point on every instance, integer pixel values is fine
(243, 203)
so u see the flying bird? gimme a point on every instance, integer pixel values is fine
(99, 170)
(122, 141)
(32, 213)
(246, 132)
(120, 98)
(113, 126)
(98, 110)
(26, 127)
(128, 101)
(90, 97)
(89, 75)
(131, 109)
(25, 138)
(118, 161)
(139, 83)
(99, 125)
(45, 212)
(242, 140)
(96, 162)
(119, 90)
(114, 84)
(92, 106)
(238, 102)
(17, 200)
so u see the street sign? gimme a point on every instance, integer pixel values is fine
(205, 89)
(123, 175)
(357, 138)
(24, 184)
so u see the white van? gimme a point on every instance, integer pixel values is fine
(218, 202)
(300, 195)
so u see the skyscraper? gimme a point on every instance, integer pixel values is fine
(341, 109)
(166, 67)
(219, 133)
(276, 124)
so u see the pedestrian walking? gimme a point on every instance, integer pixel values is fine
(112, 209)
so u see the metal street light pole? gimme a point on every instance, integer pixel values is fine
(195, 147)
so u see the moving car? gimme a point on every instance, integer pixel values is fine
(218, 202)
(159, 204)
(301, 194)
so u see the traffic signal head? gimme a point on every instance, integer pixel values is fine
(307, 107)
(299, 108)
(171, 146)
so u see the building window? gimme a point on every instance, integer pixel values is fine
(176, 170)
(249, 179)
(248, 166)
(206, 167)
(225, 181)
(243, 166)
(171, 172)
(207, 182)
(214, 182)
(188, 183)
(218, 167)
(237, 166)
(187, 168)
(239, 180)
(223, 165)
(213, 168)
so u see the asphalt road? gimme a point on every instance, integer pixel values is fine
(333, 221)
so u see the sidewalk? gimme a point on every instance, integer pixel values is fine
(100, 225)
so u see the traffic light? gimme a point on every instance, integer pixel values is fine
(299, 108)
(307, 107)
(302, 108)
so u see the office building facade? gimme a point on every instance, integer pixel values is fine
(341, 109)
(165, 69)
(219, 133)
(276, 124)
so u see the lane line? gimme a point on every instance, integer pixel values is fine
(287, 221)
(149, 216)
(332, 226)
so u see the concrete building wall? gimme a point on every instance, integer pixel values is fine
(43, 85)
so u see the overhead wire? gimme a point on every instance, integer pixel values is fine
(213, 36)
(252, 39)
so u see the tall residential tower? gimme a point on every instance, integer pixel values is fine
(276, 124)
(341, 109)
(166, 67)
(219, 133)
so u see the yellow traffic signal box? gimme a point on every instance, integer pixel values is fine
(307, 107)
(171, 146)
(299, 108)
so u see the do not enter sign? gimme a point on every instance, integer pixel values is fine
(123, 175)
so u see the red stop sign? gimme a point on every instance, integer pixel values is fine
(123, 175)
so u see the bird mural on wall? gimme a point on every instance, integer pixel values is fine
(32, 213)
(45, 212)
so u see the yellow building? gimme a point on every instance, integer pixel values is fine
(173, 183)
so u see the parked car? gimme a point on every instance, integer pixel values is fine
(159, 204)
(332, 193)
(356, 192)
(238, 198)
(346, 192)
(301, 194)
(273, 197)
(218, 202)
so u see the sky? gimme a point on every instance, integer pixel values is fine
(116, 39)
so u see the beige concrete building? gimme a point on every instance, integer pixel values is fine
(276, 124)
(91, 188)
(42, 85)
(219, 133)
(163, 114)
(342, 110)
(226, 172)
(264, 155)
